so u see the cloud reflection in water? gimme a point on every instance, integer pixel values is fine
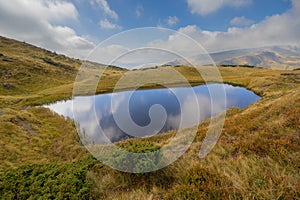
(95, 114)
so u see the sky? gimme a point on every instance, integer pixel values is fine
(76, 27)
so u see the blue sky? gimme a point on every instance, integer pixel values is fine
(145, 13)
(75, 27)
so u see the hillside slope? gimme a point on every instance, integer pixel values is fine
(257, 156)
(276, 57)
(31, 75)
(268, 57)
(23, 64)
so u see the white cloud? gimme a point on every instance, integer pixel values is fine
(178, 42)
(35, 22)
(105, 7)
(204, 7)
(105, 24)
(109, 13)
(241, 21)
(171, 21)
(107, 54)
(139, 10)
(278, 29)
(44, 10)
(142, 58)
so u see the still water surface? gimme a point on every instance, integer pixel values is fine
(104, 118)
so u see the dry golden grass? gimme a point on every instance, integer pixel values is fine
(257, 156)
(37, 135)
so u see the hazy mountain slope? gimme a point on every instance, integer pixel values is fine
(277, 57)
(269, 57)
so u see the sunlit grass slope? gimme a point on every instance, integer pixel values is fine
(257, 156)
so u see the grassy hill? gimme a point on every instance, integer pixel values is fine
(277, 57)
(257, 156)
(272, 57)
(30, 75)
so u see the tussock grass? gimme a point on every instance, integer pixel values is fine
(47, 138)
(256, 157)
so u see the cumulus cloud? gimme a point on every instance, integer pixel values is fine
(139, 10)
(106, 24)
(279, 29)
(109, 15)
(105, 7)
(36, 22)
(172, 20)
(44, 10)
(107, 54)
(180, 42)
(204, 7)
(241, 21)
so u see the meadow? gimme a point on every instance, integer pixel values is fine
(256, 157)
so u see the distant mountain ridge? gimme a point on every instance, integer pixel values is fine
(275, 57)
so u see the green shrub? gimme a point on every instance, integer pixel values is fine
(144, 156)
(50, 61)
(49, 181)
(288, 74)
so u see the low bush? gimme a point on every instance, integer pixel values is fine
(143, 157)
(48, 181)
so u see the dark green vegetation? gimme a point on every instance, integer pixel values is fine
(143, 162)
(257, 156)
(48, 181)
(249, 66)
